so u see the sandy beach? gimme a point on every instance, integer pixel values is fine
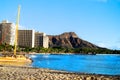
(29, 73)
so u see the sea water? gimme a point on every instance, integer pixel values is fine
(98, 64)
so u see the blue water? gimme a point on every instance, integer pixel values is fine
(98, 64)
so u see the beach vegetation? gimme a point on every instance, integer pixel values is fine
(8, 48)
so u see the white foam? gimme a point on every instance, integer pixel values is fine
(33, 56)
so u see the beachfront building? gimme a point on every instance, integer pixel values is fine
(26, 38)
(30, 38)
(7, 32)
(41, 40)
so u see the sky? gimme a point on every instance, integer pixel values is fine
(96, 21)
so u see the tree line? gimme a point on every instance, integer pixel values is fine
(9, 48)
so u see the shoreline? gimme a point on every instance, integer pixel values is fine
(70, 53)
(64, 53)
(30, 73)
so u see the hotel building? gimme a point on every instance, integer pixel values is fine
(26, 38)
(41, 40)
(30, 38)
(7, 32)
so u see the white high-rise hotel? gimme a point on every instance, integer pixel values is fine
(7, 32)
(26, 38)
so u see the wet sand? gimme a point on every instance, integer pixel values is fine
(29, 73)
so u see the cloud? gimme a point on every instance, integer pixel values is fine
(117, 44)
(117, 47)
(109, 45)
(102, 44)
(114, 46)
